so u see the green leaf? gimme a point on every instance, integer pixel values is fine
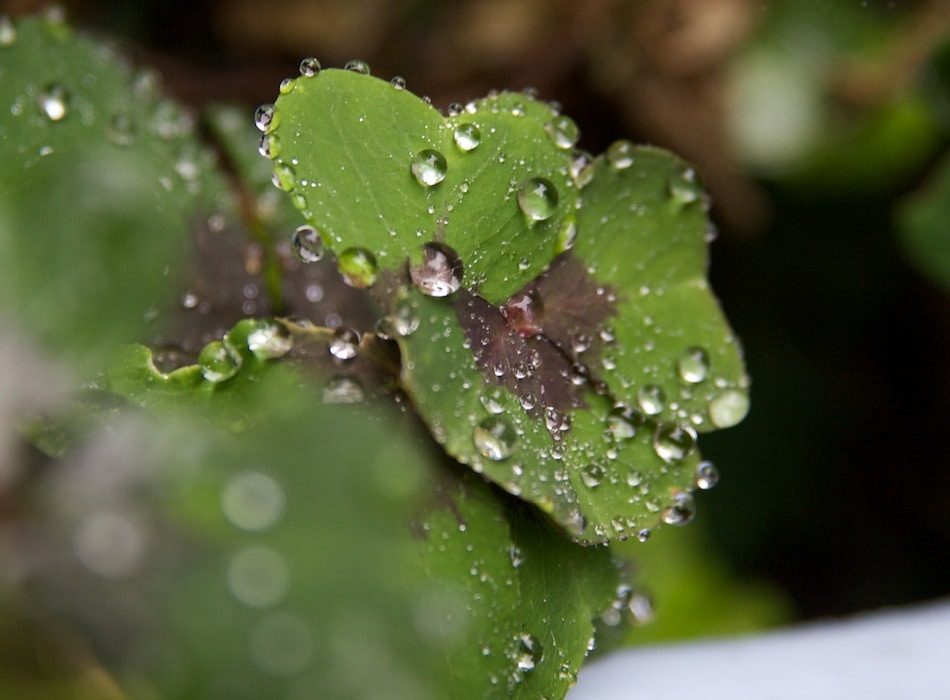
(594, 415)
(100, 176)
(258, 572)
(346, 146)
(923, 220)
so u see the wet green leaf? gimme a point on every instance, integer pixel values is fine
(100, 175)
(594, 415)
(377, 169)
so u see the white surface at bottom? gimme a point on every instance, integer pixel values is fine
(896, 654)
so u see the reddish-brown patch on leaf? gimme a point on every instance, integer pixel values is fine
(541, 343)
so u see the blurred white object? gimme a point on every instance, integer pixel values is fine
(893, 654)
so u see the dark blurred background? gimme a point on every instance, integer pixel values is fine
(817, 125)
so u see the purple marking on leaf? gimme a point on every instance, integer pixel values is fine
(526, 344)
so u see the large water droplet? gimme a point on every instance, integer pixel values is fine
(528, 651)
(217, 362)
(308, 244)
(624, 422)
(309, 67)
(494, 438)
(429, 167)
(357, 66)
(729, 408)
(673, 442)
(398, 82)
(524, 313)
(693, 365)
(651, 399)
(269, 340)
(620, 154)
(563, 131)
(252, 501)
(681, 512)
(358, 267)
(53, 102)
(345, 343)
(707, 475)
(685, 186)
(467, 136)
(441, 271)
(266, 118)
(258, 577)
(538, 198)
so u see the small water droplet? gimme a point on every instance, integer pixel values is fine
(643, 535)
(707, 475)
(309, 67)
(524, 313)
(684, 184)
(673, 442)
(358, 267)
(555, 421)
(441, 271)
(403, 321)
(582, 168)
(592, 475)
(563, 131)
(8, 31)
(217, 362)
(285, 86)
(580, 343)
(266, 118)
(491, 400)
(429, 167)
(398, 82)
(357, 66)
(269, 340)
(729, 408)
(494, 438)
(651, 399)
(284, 177)
(515, 555)
(343, 389)
(681, 512)
(624, 422)
(538, 198)
(566, 235)
(620, 154)
(345, 344)
(693, 365)
(308, 244)
(53, 102)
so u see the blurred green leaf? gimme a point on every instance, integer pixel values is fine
(923, 220)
